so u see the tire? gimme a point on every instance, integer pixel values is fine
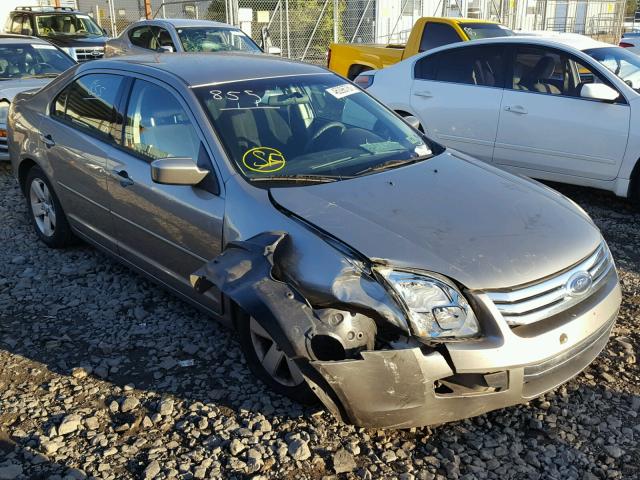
(270, 364)
(45, 212)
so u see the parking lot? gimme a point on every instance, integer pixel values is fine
(104, 374)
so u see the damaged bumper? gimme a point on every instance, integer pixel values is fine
(411, 388)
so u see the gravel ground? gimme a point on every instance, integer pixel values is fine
(103, 374)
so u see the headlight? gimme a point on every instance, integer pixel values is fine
(71, 52)
(436, 309)
(4, 111)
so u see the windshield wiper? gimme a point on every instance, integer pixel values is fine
(299, 178)
(389, 164)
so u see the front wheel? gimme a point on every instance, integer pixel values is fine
(270, 364)
(45, 211)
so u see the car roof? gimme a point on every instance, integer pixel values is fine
(549, 39)
(184, 23)
(205, 68)
(13, 39)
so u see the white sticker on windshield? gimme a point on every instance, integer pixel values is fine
(41, 46)
(343, 90)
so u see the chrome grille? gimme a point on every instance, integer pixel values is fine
(86, 54)
(3, 145)
(536, 302)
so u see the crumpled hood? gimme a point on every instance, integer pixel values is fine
(483, 227)
(10, 88)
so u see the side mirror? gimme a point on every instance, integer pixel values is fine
(271, 50)
(177, 171)
(166, 49)
(412, 121)
(599, 91)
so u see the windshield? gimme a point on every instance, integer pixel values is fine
(216, 39)
(307, 127)
(624, 64)
(72, 24)
(476, 31)
(25, 60)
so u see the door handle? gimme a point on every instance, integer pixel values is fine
(423, 93)
(47, 140)
(123, 177)
(519, 109)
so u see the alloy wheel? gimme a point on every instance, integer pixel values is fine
(274, 361)
(42, 207)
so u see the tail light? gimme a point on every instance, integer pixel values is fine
(626, 45)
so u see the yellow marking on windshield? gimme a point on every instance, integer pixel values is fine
(264, 160)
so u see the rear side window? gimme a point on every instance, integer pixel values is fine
(481, 66)
(436, 35)
(90, 104)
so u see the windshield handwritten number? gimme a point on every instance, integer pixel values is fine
(235, 96)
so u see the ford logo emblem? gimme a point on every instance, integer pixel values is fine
(578, 284)
(96, 53)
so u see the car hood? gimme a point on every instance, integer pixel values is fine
(484, 228)
(77, 41)
(10, 88)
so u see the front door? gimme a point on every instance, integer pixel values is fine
(169, 231)
(456, 95)
(547, 128)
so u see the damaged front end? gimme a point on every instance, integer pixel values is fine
(352, 344)
(376, 358)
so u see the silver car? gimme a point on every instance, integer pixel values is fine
(401, 283)
(26, 63)
(180, 35)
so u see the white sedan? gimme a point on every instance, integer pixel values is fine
(558, 108)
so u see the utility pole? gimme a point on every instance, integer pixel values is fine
(147, 9)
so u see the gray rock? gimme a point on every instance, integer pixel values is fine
(298, 449)
(152, 470)
(343, 461)
(165, 407)
(69, 424)
(10, 471)
(613, 451)
(129, 404)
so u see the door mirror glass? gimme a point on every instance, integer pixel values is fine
(412, 121)
(177, 171)
(166, 49)
(599, 91)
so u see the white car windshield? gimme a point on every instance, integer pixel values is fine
(35, 60)
(72, 25)
(316, 127)
(216, 39)
(624, 64)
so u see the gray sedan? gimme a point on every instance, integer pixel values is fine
(399, 282)
(179, 35)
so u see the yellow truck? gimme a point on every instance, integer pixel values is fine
(350, 59)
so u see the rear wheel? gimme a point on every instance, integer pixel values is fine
(45, 211)
(270, 364)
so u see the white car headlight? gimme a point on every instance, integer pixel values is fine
(436, 309)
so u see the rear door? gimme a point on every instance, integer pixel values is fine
(79, 137)
(457, 95)
(168, 231)
(547, 130)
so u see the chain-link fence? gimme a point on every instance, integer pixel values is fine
(303, 29)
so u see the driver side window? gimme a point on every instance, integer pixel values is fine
(141, 37)
(157, 125)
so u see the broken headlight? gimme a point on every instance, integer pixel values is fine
(436, 309)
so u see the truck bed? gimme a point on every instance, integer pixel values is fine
(349, 59)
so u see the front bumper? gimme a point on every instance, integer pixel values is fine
(400, 388)
(4, 147)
